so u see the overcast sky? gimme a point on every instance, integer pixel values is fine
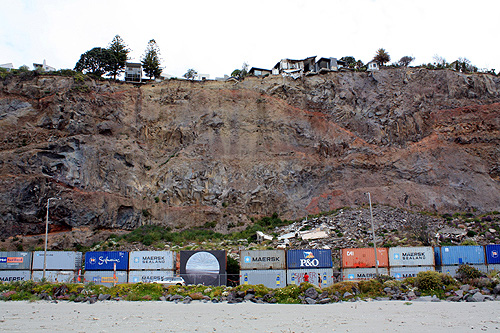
(215, 37)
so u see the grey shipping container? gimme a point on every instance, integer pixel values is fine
(494, 267)
(55, 276)
(263, 259)
(16, 275)
(148, 260)
(411, 256)
(105, 278)
(15, 260)
(355, 274)
(148, 276)
(452, 270)
(58, 260)
(401, 273)
(321, 277)
(271, 278)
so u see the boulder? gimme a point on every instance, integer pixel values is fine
(187, 300)
(163, 298)
(325, 300)
(347, 294)
(477, 297)
(311, 293)
(310, 300)
(104, 297)
(496, 290)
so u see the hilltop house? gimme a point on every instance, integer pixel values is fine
(9, 66)
(372, 66)
(259, 71)
(294, 68)
(326, 65)
(44, 67)
(133, 71)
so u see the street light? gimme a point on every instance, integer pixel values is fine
(373, 233)
(46, 234)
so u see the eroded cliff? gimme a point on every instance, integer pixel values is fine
(182, 153)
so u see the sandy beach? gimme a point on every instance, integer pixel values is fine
(376, 316)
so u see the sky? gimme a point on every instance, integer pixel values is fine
(215, 37)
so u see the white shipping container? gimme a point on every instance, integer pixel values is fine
(151, 260)
(105, 278)
(452, 270)
(148, 276)
(15, 275)
(321, 277)
(58, 260)
(271, 278)
(401, 273)
(55, 276)
(356, 274)
(411, 256)
(263, 259)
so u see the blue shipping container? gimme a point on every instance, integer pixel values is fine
(306, 259)
(458, 255)
(105, 261)
(493, 254)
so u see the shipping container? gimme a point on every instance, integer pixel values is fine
(356, 274)
(307, 259)
(411, 256)
(58, 260)
(106, 278)
(321, 277)
(452, 270)
(457, 255)
(15, 260)
(493, 267)
(55, 276)
(148, 276)
(105, 261)
(151, 260)
(263, 259)
(403, 272)
(364, 257)
(204, 267)
(493, 254)
(275, 278)
(15, 275)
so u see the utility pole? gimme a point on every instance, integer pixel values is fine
(373, 234)
(46, 234)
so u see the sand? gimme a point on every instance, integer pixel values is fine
(374, 316)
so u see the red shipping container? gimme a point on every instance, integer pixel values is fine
(364, 257)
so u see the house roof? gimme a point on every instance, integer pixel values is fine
(133, 64)
(253, 69)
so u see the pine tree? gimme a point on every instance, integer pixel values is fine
(119, 53)
(151, 60)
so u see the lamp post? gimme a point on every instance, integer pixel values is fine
(46, 234)
(373, 233)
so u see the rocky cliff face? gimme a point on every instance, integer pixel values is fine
(182, 153)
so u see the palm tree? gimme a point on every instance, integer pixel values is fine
(382, 56)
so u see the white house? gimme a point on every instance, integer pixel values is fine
(133, 71)
(44, 67)
(372, 66)
(7, 66)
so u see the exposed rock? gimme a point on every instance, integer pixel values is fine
(311, 293)
(104, 297)
(310, 300)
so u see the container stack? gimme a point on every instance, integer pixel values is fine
(61, 266)
(409, 261)
(150, 266)
(453, 256)
(360, 264)
(106, 268)
(317, 264)
(267, 267)
(15, 266)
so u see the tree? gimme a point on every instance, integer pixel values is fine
(240, 73)
(349, 61)
(151, 60)
(96, 62)
(119, 56)
(405, 61)
(440, 61)
(382, 56)
(190, 74)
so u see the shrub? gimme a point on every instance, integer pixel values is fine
(428, 280)
(466, 272)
